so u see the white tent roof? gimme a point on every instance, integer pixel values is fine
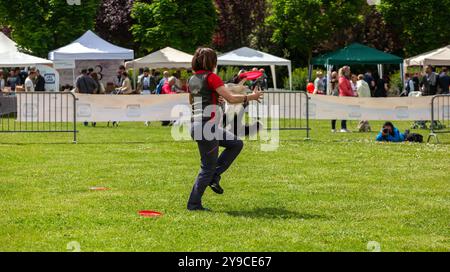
(248, 57)
(439, 56)
(11, 57)
(91, 47)
(164, 58)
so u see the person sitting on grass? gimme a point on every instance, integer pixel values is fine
(389, 133)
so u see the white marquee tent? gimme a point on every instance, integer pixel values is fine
(10, 56)
(91, 47)
(249, 57)
(164, 58)
(439, 56)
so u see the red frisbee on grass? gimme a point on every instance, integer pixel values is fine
(95, 188)
(150, 214)
(253, 75)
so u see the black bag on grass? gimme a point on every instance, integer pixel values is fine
(414, 138)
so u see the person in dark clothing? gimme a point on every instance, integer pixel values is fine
(205, 88)
(85, 83)
(416, 81)
(444, 81)
(40, 82)
(381, 87)
(429, 82)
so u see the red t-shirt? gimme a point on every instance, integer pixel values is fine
(167, 89)
(214, 81)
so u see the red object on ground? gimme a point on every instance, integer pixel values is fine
(253, 75)
(150, 214)
(310, 87)
(98, 189)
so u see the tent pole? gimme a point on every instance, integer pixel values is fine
(274, 77)
(402, 77)
(290, 76)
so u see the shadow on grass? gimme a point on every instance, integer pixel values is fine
(274, 213)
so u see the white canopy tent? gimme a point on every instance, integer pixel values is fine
(249, 57)
(164, 58)
(10, 56)
(89, 51)
(439, 56)
(91, 47)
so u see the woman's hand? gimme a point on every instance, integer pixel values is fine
(257, 95)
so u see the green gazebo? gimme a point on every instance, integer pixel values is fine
(357, 53)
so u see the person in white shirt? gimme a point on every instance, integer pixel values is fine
(362, 88)
(29, 81)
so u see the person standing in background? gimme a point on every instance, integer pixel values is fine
(319, 87)
(444, 81)
(118, 79)
(345, 89)
(100, 87)
(12, 80)
(353, 82)
(40, 82)
(429, 82)
(29, 81)
(144, 83)
(362, 88)
(381, 87)
(162, 82)
(368, 78)
(409, 85)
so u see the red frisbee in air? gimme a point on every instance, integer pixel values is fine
(150, 214)
(95, 188)
(253, 75)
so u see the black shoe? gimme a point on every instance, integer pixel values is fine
(216, 188)
(199, 209)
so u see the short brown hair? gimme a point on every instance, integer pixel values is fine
(204, 59)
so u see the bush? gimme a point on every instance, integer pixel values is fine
(227, 73)
(299, 79)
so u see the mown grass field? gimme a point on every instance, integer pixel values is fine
(336, 192)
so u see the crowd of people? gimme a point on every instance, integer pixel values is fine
(372, 85)
(25, 80)
(148, 82)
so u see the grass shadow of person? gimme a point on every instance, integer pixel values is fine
(273, 213)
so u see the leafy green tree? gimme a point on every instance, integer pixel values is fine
(422, 25)
(181, 24)
(301, 25)
(43, 25)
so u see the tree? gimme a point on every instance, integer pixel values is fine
(43, 25)
(182, 24)
(421, 25)
(238, 23)
(301, 25)
(114, 22)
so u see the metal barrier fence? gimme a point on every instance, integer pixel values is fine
(440, 116)
(38, 112)
(290, 107)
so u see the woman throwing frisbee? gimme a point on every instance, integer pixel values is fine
(205, 88)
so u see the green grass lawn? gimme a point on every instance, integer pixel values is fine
(336, 192)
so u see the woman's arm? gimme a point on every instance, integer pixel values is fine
(239, 98)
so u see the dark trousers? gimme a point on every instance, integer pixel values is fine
(343, 124)
(212, 165)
